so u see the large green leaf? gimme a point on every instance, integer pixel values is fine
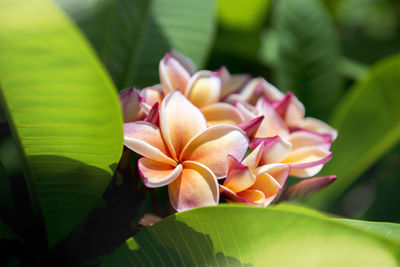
(7, 206)
(131, 36)
(275, 236)
(63, 111)
(368, 124)
(388, 231)
(308, 56)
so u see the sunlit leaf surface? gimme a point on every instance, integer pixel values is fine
(249, 236)
(62, 108)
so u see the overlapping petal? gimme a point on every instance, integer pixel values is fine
(150, 96)
(231, 83)
(130, 106)
(212, 146)
(275, 149)
(180, 120)
(145, 139)
(253, 158)
(252, 126)
(304, 138)
(233, 197)
(204, 88)
(173, 75)
(255, 89)
(195, 187)
(157, 174)
(255, 196)
(239, 176)
(246, 110)
(272, 124)
(279, 171)
(271, 180)
(290, 109)
(319, 126)
(307, 161)
(222, 113)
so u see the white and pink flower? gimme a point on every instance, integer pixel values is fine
(206, 123)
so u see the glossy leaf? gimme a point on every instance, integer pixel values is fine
(388, 231)
(131, 36)
(368, 124)
(249, 236)
(308, 54)
(63, 111)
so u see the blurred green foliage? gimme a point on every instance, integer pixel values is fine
(320, 50)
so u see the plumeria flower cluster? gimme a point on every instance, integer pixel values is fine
(207, 134)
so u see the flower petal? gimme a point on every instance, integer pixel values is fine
(249, 94)
(232, 197)
(153, 116)
(195, 187)
(180, 120)
(269, 91)
(271, 180)
(204, 88)
(185, 61)
(319, 127)
(150, 96)
(239, 177)
(172, 74)
(304, 138)
(245, 110)
(275, 149)
(307, 187)
(231, 83)
(279, 171)
(212, 146)
(145, 139)
(307, 161)
(222, 113)
(253, 158)
(255, 89)
(130, 105)
(272, 124)
(251, 127)
(290, 109)
(157, 174)
(267, 184)
(255, 196)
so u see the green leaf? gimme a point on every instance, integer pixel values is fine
(131, 36)
(243, 15)
(276, 236)
(308, 54)
(63, 110)
(383, 176)
(6, 232)
(368, 124)
(7, 206)
(388, 231)
(352, 69)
